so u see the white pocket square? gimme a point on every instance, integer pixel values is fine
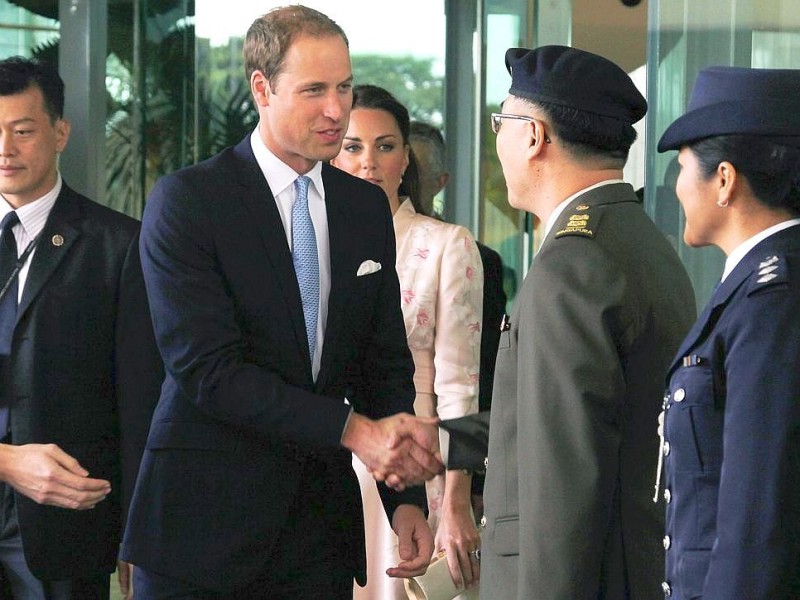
(367, 267)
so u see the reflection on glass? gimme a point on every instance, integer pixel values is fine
(687, 38)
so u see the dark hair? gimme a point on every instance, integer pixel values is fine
(432, 136)
(372, 96)
(772, 170)
(588, 135)
(271, 35)
(18, 74)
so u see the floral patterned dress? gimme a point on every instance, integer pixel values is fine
(441, 288)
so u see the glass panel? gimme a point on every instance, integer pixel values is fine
(503, 228)
(506, 24)
(29, 29)
(689, 36)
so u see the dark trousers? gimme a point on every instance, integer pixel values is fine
(306, 562)
(18, 583)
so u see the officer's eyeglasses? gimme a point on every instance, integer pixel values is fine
(497, 121)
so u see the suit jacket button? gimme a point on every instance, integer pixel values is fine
(679, 395)
(666, 589)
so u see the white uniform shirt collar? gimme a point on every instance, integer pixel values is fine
(560, 208)
(742, 249)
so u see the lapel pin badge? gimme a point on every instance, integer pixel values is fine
(57, 240)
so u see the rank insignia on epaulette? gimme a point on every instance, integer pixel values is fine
(771, 270)
(582, 207)
(770, 260)
(577, 225)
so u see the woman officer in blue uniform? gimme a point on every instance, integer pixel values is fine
(731, 421)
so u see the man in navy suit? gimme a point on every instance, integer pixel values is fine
(246, 488)
(79, 368)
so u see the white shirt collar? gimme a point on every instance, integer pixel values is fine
(560, 208)
(279, 175)
(735, 257)
(33, 215)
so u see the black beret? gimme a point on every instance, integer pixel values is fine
(575, 79)
(739, 101)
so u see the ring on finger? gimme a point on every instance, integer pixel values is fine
(476, 553)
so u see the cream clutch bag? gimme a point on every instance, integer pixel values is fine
(435, 584)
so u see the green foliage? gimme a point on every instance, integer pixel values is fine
(410, 79)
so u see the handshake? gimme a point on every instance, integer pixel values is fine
(401, 450)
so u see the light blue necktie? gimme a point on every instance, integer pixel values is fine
(305, 259)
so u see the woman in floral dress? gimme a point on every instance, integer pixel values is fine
(441, 286)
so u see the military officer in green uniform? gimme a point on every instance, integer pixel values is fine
(583, 356)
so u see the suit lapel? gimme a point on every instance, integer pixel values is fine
(60, 232)
(260, 204)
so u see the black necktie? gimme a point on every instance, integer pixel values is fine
(8, 305)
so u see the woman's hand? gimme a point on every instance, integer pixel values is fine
(457, 533)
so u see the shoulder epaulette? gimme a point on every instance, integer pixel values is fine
(772, 270)
(580, 223)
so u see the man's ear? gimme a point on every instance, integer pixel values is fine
(535, 139)
(442, 180)
(260, 88)
(63, 128)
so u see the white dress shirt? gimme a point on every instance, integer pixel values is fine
(280, 178)
(32, 217)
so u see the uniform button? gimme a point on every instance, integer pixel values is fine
(667, 542)
(666, 448)
(486, 462)
(665, 587)
(667, 496)
(483, 521)
(679, 395)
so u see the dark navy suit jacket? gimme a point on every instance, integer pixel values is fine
(239, 414)
(733, 436)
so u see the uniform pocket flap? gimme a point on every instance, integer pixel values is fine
(506, 536)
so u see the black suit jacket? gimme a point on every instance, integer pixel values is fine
(240, 416)
(494, 307)
(84, 374)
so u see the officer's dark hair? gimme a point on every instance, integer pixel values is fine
(771, 169)
(589, 136)
(372, 96)
(18, 74)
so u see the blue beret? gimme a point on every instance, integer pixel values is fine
(738, 101)
(575, 79)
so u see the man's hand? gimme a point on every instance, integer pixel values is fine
(424, 431)
(415, 541)
(395, 448)
(48, 475)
